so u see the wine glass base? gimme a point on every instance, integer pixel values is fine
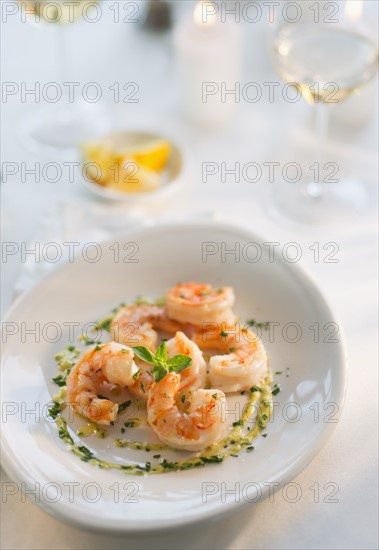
(60, 132)
(337, 202)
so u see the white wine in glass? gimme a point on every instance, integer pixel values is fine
(327, 63)
(58, 129)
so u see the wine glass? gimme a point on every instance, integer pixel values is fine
(327, 62)
(58, 129)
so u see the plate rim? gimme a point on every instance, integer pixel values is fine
(155, 526)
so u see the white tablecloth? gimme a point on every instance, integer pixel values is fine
(261, 132)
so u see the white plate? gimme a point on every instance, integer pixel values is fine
(81, 291)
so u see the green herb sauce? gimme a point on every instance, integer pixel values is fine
(238, 439)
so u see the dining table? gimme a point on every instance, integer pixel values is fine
(37, 207)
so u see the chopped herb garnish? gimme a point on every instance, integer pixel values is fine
(145, 468)
(275, 391)
(55, 410)
(86, 453)
(211, 459)
(214, 395)
(223, 333)
(264, 435)
(63, 434)
(156, 456)
(105, 323)
(255, 388)
(124, 406)
(88, 341)
(252, 323)
(132, 423)
(232, 350)
(183, 397)
(97, 348)
(250, 448)
(238, 423)
(279, 372)
(60, 380)
(136, 375)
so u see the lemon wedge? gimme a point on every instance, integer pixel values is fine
(105, 161)
(153, 156)
(134, 178)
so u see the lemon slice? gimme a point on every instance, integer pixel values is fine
(135, 178)
(153, 156)
(105, 160)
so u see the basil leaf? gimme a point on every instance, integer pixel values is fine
(161, 353)
(179, 363)
(144, 354)
(159, 372)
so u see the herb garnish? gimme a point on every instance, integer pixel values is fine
(55, 410)
(238, 423)
(60, 380)
(123, 406)
(161, 364)
(252, 323)
(86, 454)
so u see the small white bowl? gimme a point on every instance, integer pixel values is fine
(172, 175)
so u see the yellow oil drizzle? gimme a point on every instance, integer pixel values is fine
(90, 428)
(237, 440)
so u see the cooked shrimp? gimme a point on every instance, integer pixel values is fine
(142, 385)
(244, 364)
(198, 303)
(134, 325)
(199, 424)
(110, 363)
(194, 375)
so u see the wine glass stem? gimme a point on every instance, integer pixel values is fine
(314, 188)
(62, 69)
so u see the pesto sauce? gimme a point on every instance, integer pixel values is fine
(237, 440)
